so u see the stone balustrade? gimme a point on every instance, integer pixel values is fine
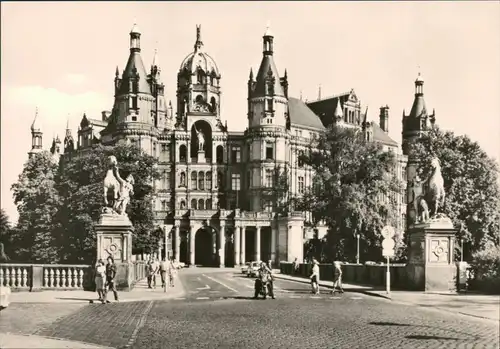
(39, 277)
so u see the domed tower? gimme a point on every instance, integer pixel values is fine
(36, 136)
(268, 122)
(200, 136)
(198, 84)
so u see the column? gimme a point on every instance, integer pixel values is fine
(273, 245)
(243, 246)
(177, 244)
(257, 244)
(191, 245)
(222, 245)
(237, 234)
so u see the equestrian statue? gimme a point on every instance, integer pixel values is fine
(116, 188)
(429, 194)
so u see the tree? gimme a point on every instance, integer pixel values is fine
(38, 201)
(354, 191)
(5, 235)
(81, 186)
(471, 185)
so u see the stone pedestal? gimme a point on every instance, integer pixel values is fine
(114, 238)
(201, 157)
(289, 238)
(431, 266)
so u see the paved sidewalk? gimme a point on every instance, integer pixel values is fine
(8, 340)
(139, 293)
(481, 306)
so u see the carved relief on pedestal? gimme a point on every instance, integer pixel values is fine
(112, 246)
(439, 250)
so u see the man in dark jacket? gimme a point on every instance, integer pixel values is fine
(110, 279)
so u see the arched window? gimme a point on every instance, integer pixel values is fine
(220, 154)
(201, 204)
(183, 153)
(213, 103)
(201, 181)
(208, 204)
(194, 204)
(199, 99)
(208, 180)
(183, 205)
(194, 181)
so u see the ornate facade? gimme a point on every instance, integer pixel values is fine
(215, 199)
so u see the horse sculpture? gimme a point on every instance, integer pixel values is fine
(435, 187)
(110, 181)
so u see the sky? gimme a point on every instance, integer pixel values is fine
(61, 57)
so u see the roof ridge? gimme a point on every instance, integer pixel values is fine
(330, 97)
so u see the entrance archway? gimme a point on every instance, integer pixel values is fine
(203, 248)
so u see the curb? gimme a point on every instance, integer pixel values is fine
(388, 298)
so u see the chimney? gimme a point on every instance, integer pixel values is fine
(384, 118)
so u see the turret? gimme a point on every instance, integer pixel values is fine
(36, 135)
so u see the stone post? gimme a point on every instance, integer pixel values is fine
(222, 246)
(177, 243)
(237, 234)
(114, 238)
(257, 244)
(243, 244)
(191, 245)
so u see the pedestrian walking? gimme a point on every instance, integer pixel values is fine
(337, 277)
(295, 266)
(100, 276)
(110, 279)
(315, 277)
(153, 267)
(172, 272)
(163, 272)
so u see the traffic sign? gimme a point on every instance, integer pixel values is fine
(388, 253)
(388, 244)
(388, 232)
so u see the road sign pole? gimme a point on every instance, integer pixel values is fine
(388, 277)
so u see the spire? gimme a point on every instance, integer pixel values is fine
(251, 74)
(135, 39)
(339, 115)
(117, 72)
(35, 127)
(198, 44)
(319, 92)
(268, 41)
(156, 59)
(419, 85)
(268, 30)
(68, 130)
(300, 94)
(286, 74)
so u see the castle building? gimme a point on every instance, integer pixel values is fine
(216, 198)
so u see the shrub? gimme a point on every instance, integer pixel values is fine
(486, 269)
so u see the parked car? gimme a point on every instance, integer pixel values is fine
(253, 269)
(244, 268)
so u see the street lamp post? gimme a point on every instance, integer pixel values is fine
(462, 250)
(357, 248)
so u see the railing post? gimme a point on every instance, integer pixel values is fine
(36, 282)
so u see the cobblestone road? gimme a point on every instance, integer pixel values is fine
(216, 312)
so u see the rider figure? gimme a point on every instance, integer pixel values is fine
(265, 273)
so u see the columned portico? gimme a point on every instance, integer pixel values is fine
(222, 246)
(257, 244)
(237, 239)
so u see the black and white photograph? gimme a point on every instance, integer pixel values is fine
(250, 174)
